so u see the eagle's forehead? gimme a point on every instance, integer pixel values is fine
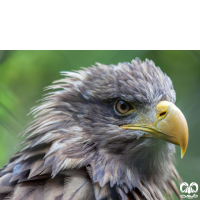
(135, 81)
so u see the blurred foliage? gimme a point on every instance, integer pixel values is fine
(23, 75)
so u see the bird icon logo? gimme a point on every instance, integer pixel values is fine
(190, 189)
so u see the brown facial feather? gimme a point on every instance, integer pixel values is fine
(76, 150)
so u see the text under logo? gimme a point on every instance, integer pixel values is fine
(189, 190)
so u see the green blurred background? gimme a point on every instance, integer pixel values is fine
(24, 74)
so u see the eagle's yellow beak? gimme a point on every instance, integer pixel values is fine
(170, 126)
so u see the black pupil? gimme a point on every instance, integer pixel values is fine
(123, 105)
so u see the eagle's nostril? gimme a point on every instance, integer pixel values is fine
(162, 114)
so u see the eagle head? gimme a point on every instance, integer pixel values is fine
(119, 123)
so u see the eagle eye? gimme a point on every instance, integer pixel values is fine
(123, 107)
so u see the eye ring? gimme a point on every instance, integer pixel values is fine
(123, 107)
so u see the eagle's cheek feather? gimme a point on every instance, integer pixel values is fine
(170, 125)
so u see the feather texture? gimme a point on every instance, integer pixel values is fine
(75, 149)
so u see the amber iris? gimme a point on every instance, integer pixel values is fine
(123, 107)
